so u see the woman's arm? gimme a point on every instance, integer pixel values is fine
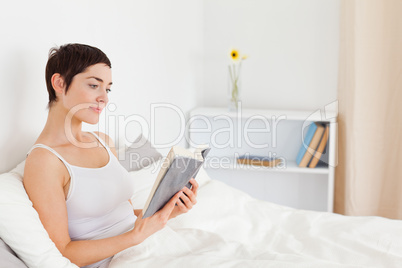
(90, 251)
(45, 189)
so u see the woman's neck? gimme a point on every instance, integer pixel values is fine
(60, 128)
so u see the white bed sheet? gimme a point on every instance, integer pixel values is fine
(228, 228)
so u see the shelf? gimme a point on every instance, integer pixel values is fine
(317, 115)
(266, 132)
(290, 167)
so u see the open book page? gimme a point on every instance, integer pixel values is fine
(201, 152)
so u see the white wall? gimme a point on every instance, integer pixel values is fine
(292, 47)
(155, 48)
(172, 51)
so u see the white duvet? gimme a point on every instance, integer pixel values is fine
(228, 228)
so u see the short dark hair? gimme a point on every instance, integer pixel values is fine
(69, 60)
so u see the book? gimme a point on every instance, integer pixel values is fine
(313, 137)
(257, 160)
(179, 166)
(307, 139)
(320, 149)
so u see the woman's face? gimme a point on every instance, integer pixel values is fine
(87, 95)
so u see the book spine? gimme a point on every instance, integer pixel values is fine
(320, 149)
(305, 143)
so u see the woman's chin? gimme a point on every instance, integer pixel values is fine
(92, 121)
(86, 117)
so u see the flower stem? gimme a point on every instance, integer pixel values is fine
(234, 77)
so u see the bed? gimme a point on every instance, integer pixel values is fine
(226, 228)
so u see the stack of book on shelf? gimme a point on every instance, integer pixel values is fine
(257, 160)
(313, 147)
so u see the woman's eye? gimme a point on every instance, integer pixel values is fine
(93, 86)
(108, 90)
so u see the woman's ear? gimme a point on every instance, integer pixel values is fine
(58, 83)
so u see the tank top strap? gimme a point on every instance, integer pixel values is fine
(101, 141)
(40, 145)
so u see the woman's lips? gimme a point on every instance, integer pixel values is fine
(96, 109)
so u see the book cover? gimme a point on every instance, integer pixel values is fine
(179, 166)
(320, 148)
(307, 139)
(257, 160)
(310, 150)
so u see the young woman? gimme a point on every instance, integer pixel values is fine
(73, 178)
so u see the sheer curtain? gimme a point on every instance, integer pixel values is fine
(369, 172)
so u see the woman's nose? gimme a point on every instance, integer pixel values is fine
(103, 98)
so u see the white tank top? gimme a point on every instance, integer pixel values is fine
(97, 200)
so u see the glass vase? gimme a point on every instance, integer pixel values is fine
(234, 88)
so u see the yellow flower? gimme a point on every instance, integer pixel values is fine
(234, 55)
(244, 57)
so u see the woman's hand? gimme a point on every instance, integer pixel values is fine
(143, 228)
(187, 200)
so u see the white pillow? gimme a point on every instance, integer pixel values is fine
(21, 228)
(139, 154)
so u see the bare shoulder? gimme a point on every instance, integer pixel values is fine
(108, 141)
(41, 165)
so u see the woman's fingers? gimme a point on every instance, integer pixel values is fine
(189, 195)
(181, 206)
(195, 185)
(168, 208)
(186, 201)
